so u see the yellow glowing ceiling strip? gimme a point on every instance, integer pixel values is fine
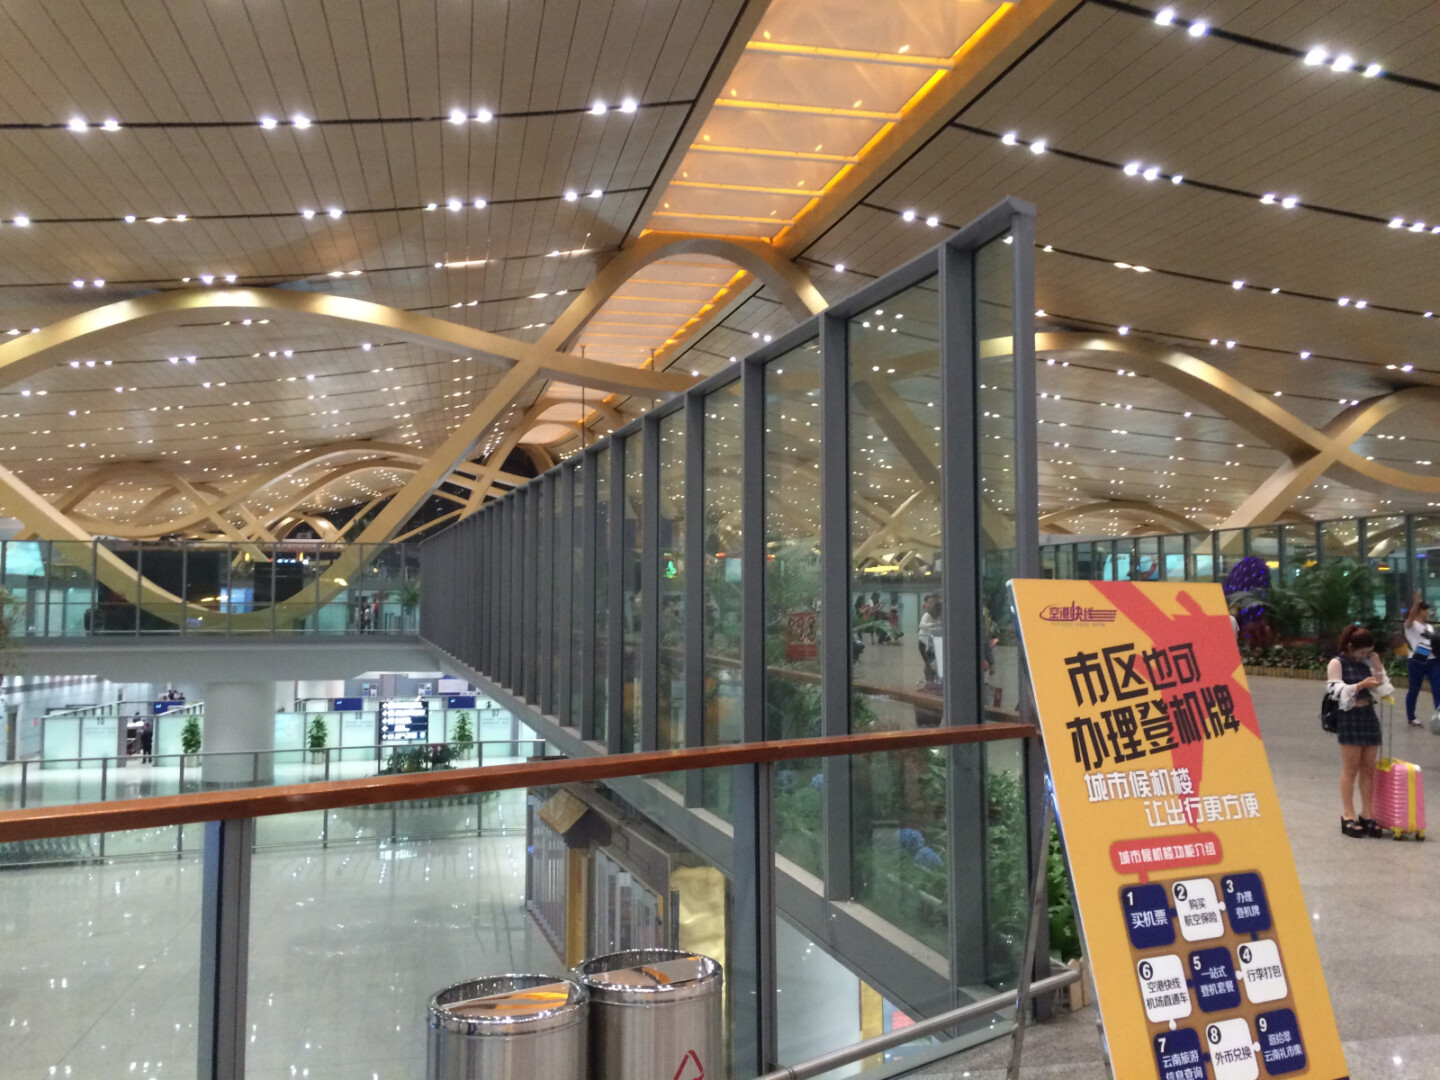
(755, 151)
(681, 284)
(722, 217)
(861, 56)
(935, 79)
(748, 189)
(805, 110)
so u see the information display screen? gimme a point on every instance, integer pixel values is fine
(460, 701)
(404, 720)
(347, 704)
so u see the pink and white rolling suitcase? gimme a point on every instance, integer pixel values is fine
(1400, 798)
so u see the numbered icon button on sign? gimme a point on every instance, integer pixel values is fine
(1179, 1055)
(1245, 903)
(1197, 909)
(1261, 970)
(1280, 1044)
(1147, 916)
(1213, 975)
(1233, 1054)
(1162, 985)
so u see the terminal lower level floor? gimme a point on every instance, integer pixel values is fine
(100, 958)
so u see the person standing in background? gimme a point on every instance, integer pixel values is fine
(1422, 663)
(1357, 680)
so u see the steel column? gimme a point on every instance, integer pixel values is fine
(648, 662)
(224, 948)
(752, 547)
(694, 589)
(615, 615)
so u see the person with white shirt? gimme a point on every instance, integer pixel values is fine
(1356, 681)
(1423, 663)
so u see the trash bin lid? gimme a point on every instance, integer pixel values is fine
(641, 974)
(508, 1004)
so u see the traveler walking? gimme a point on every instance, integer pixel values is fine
(1423, 663)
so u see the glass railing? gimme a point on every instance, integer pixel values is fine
(118, 589)
(1394, 554)
(358, 909)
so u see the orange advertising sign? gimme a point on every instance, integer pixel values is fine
(1200, 943)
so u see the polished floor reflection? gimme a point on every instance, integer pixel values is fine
(101, 961)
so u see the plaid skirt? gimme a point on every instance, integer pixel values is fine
(1358, 726)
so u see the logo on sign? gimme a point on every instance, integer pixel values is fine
(690, 1067)
(1075, 613)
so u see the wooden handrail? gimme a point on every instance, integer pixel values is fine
(83, 818)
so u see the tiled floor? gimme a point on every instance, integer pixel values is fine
(1376, 908)
(98, 963)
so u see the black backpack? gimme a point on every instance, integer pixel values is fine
(1329, 714)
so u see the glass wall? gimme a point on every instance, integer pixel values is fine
(894, 432)
(792, 593)
(795, 535)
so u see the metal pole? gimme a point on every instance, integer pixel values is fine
(1023, 992)
(920, 1029)
(24, 782)
(224, 948)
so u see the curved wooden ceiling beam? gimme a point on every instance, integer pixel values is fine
(31, 354)
(756, 257)
(1178, 522)
(1312, 452)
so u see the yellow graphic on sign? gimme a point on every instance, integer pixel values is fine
(1199, 939)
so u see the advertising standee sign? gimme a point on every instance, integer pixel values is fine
(1200, 943)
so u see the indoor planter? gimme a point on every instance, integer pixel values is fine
(190, 741)
(315, 738)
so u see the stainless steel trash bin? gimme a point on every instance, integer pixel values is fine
(654, 1015)
(509, 1027)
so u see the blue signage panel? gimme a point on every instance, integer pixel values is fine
(404, 720)
(347, 704)
(460, 701)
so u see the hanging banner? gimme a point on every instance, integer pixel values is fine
(1204, 962)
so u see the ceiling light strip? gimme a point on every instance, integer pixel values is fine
(302, 121)
(806, 110)
(333, 213)
(855, 56)
(1138, 168)
(1168, 16)
(1238, 284)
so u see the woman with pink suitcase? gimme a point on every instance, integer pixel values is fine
(1356, 680)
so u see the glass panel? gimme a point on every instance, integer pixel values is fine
(102, 961)
(115, 610)
(792, 594)
(71, 589)
(723, 570)
(633, 600)
(672, 581)
(994, 330)
(1341, 539)
(894, 454)
(1385, 548)
(603, 562)
(1147, 559)
(1200, 557)
(1300, 550)
(1232, 550)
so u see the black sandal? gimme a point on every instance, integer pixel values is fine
(1372, 827)
(1351, 827)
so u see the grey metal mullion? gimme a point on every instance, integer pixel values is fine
(649, 659)
(694, 590)
(503, 551)
(835, 569)
(1027, 549)
(960, 487)
(615, 613)
(493, 624)
(224, 948)
(586, 590)
(752, 546)
(514, 632)
(565, 608)
(1027, 485)
(752, 965)
(529, 607)
(545, 633)
(965, 801)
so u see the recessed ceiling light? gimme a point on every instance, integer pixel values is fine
(301, 121)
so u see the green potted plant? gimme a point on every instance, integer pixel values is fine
(463, 737)
(316, 736)
(409, 596)
(190, 741)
